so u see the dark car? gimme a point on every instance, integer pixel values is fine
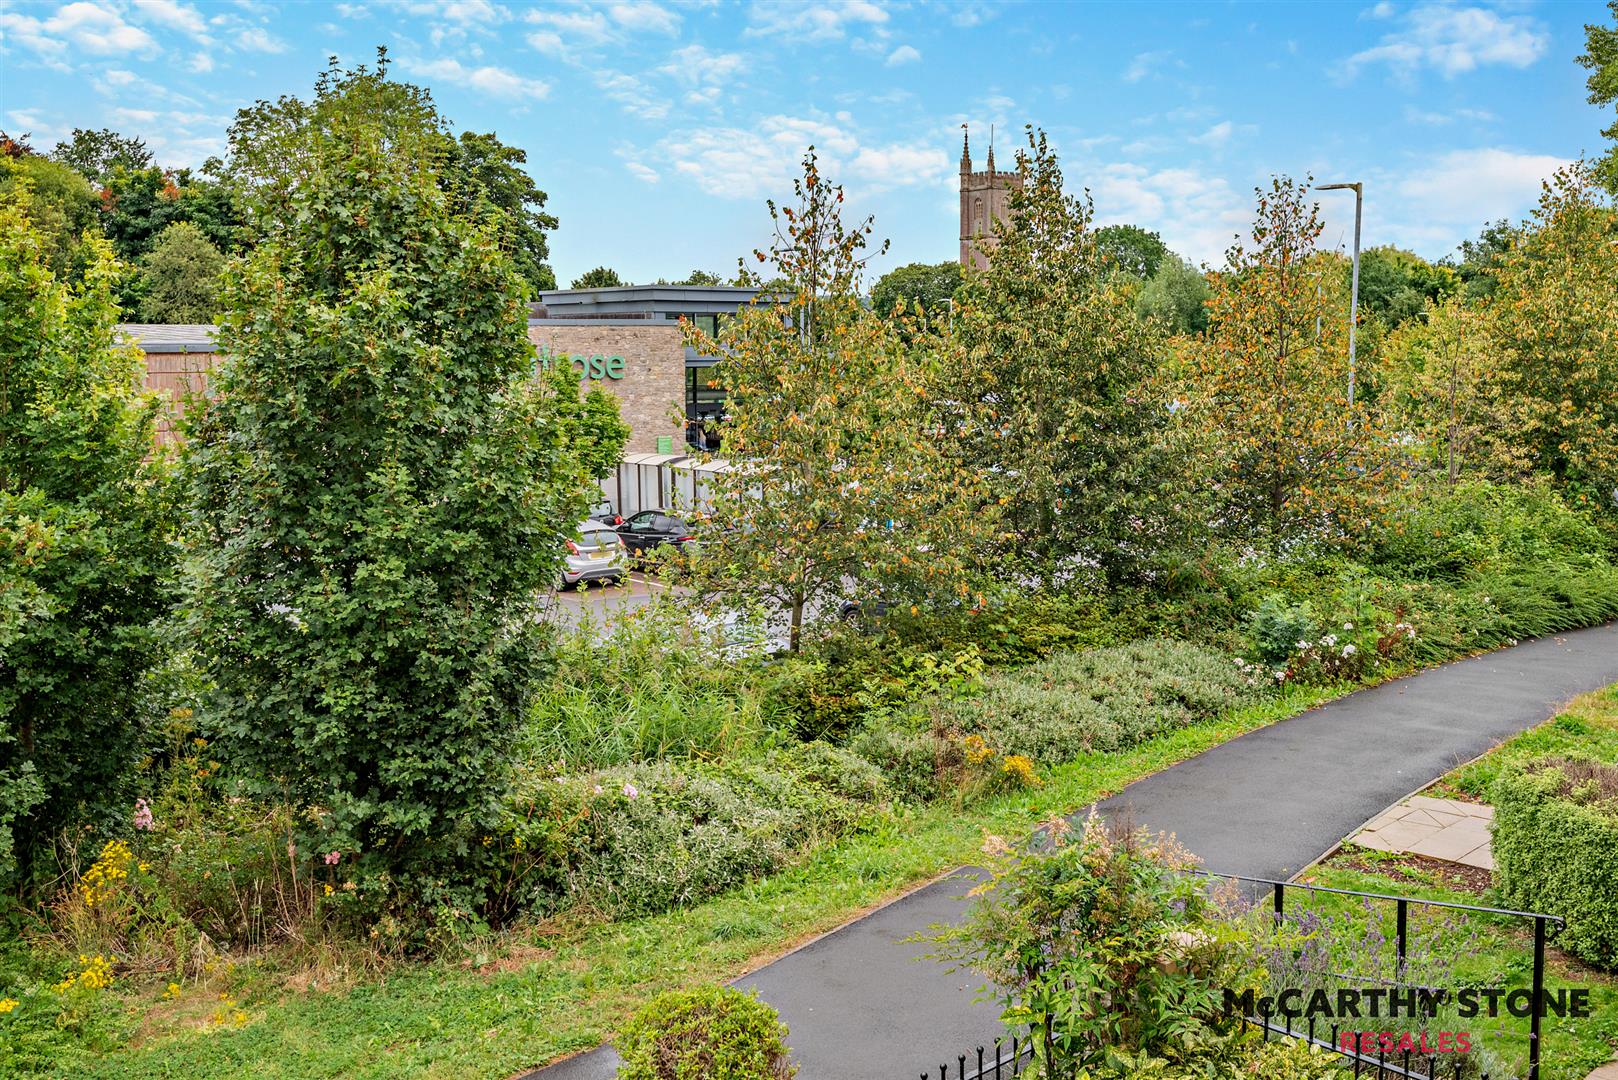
(649, 530)
(604, 513)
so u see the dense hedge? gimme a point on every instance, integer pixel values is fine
(709, 1033)
(1556, 851)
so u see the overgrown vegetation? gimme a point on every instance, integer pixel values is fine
(1022, 553)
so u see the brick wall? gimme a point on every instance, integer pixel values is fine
(651, 394)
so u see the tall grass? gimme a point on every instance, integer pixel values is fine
(647, 688)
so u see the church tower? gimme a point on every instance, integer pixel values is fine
(985, 198)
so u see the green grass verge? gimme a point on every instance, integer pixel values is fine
(537, 995)
(1487, 951)
(1496, 952)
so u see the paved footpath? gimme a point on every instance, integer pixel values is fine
(859, 1004)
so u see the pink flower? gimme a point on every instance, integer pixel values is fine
(143, 816)
(332, 857)
(631, 791)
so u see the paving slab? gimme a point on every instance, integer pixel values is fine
(861, 1006)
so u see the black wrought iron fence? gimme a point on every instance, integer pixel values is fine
(1007, 1059)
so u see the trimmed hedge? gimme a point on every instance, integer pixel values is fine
(709, 1033)
(1556, 850)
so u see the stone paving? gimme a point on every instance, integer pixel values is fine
(1446, 829)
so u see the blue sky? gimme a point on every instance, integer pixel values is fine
(659, 128)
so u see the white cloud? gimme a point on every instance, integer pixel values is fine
(1453, 40)
(644, 15)
(904, 54)
(1466, 188)
(694, 65)
(258, 39)
(493, 81)
(1440, 119)
(828, 20)
(1216, 136)
(175, 16)
(641, 172)
(1197, 215)
(1145, 64)
(759, 161)
(463, 13)
(632, 94)
(89, 27)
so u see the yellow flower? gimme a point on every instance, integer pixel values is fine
(329, 890)
(172, 992)
(1020, 768)
(7, 1004)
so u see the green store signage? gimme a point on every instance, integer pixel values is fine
(589, 367)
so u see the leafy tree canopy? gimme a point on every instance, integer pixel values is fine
(1601, 58)
(491, 170)
(1479, 260)
(380, 489)
(1396, 285)
(1131, 249)
(60, 205)
(85, 534)
(600, 278)
(180, 277)
(96, 155)
(927, 286)
(1176, 296)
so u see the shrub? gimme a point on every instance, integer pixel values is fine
(1111, 912)
(86, 562)
(1555, 844)
(710, 1033)
(1277, 626)
(1099, 699)
(645, 838)
(378, 483)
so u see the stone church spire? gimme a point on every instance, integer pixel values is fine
(990, 167)
(966, 151)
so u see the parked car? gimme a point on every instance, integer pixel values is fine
(644, 533)
(605, 514)
(597, 555)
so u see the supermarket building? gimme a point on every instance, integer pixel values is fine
(626, 341)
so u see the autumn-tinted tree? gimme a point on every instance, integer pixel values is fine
(96, 155)
(836, 485)
(601, 277)
(85, 535)
(1601, 58)
(927, 287)
(1054, 387)
(1131, 249)
(379, 487)
(1479, 260)
(1555, 320)
(180, 277)
(1293, 459)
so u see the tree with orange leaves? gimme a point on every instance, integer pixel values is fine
(835, 485)
(1293, 459)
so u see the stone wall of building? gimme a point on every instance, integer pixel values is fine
(651, 386)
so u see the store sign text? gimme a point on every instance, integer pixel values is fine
(589, 367)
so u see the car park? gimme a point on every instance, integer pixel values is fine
(650, 530)
(597, 554)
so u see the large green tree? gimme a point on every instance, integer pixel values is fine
(85, 543)
(488, 169)
(1396, 285)
(927, 287)
(96, 155)
(1131, 249)
(1054, 385)
(60, 204)
(602, 277)
(1176, 297)
(180, 277)
(380, 484)
(1555, 321)
(1600, 56)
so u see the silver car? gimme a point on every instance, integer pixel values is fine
(596, 555)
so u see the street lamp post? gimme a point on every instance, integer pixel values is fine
(1354, 289)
